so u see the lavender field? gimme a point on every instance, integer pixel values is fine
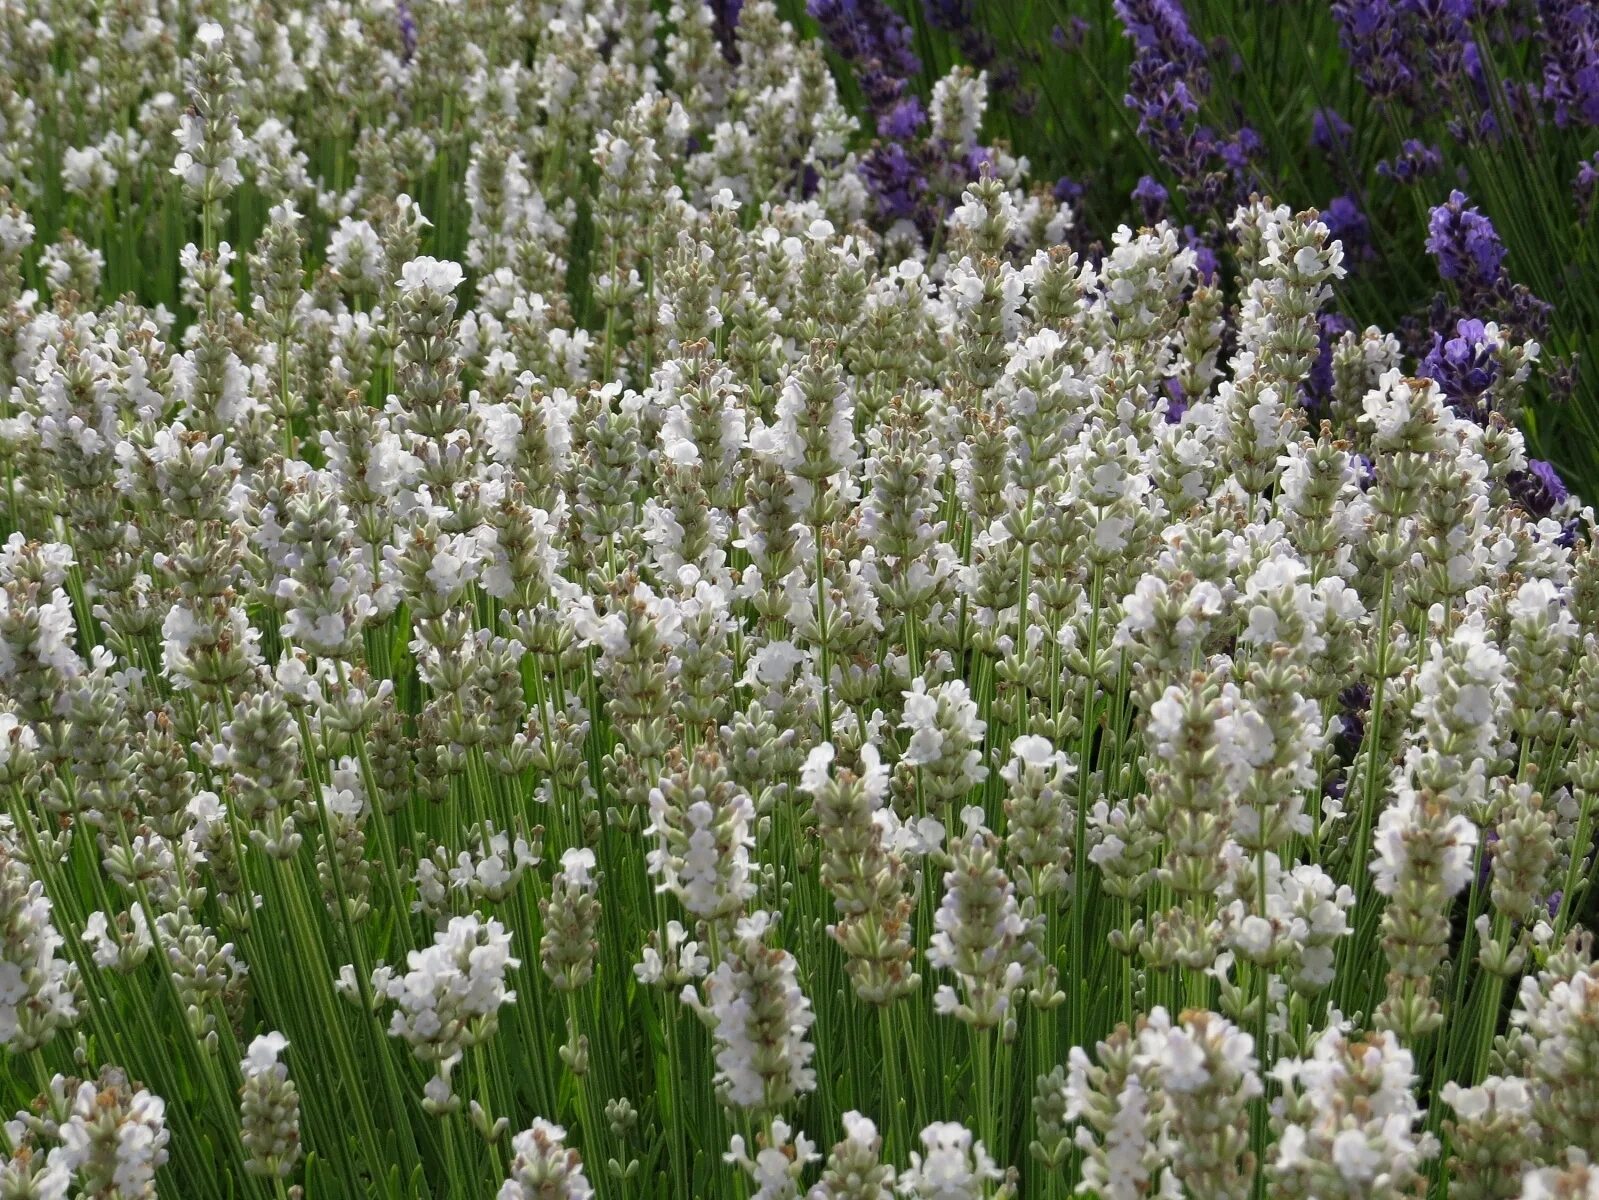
(970, 599)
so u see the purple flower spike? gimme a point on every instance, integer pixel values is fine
(1151, 198)
(1176, 402)
(1067, 190)
(1159, 29)
(1582, 188)
(1463, 367)
(1348, 224)
(1329, 132)
(1465, 245)
(1570, 44)
(1329, 328)
(1415, 160)
(1539, 489)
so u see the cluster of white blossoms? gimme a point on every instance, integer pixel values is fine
(103, 1137)
(451, 993)
(819, 706)
(37, 986)
(544, 1167)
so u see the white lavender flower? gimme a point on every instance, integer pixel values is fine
(855, 1170)
(1348, 1119)
(38, 986)
(701, 822)
(760, 1019)
(543, 1167)
(672, 961)
(953, 1165)
(430, 275)
(449, 998)
(114, 1138)
(979, 932)
(269, 1105)
(945, 733)
(571, 917)
(778, 1163)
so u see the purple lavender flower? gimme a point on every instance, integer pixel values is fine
(900, 169)
(904, 120)
(1463, 367)
(1354, 703)
(1166, 83)
(1374, 34)
(948, 15)
(1334, 788)
(1240, 151)
(1176, 401)
(1469, 253)
(1465, 244)
(1415, 160)
(1067, 190)
(1159, 30)
(1539, 489)
(867, 32)
(1167, 108)
(896, 179)
(1569, 39)
(1441, 29)
(1207, 267)
(1550, 479)
(1411, 54)
(1071, 36)
(877, 43)
(1329, 132)
(976, 47)
(1151, 198)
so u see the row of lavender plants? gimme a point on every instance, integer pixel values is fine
(575, 624)
(1393, 117)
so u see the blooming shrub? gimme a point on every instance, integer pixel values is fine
(589, 659)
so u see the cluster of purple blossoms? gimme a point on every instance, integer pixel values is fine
(876, 41)
(1539, 489)
(1465, 245)
(1330, 327)
(912, 173)
(1471, 256)
(1570, 46)
(407, 23)
(1416, 160)
(1167, 83)
(1463, 366)
(1582, 188)
(1409, 53)
(1348, 224)
(1331, 134)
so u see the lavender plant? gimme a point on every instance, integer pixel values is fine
(550, 647)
